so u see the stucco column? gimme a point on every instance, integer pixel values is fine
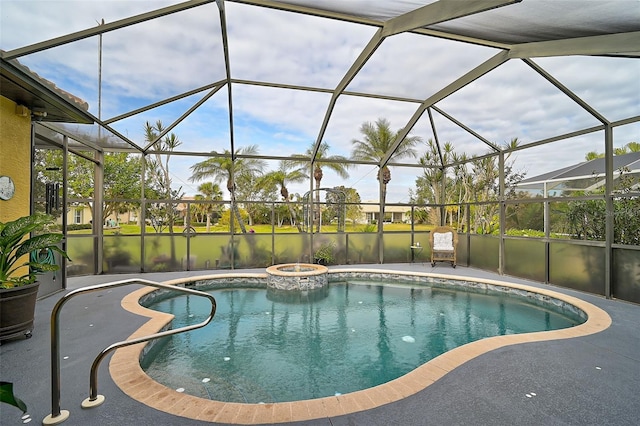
(15, 160)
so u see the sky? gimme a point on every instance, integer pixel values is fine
(151, 61)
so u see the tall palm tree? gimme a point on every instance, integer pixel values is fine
(163, 147)
(210, 191)
(463, 181)
(377, 141)
(433, 160)
(322, 159)
(287, 172)
(222, 167)
(158, 172)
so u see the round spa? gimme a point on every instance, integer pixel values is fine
(297, 276)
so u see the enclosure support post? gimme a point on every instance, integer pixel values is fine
(142, 217)
(502, 213)
(547, 210)
(98, 209)
(468, 223)
(65, 228)
(547, 234)
(273, 233)
(443, 197)
(380, 218)
(609, 217)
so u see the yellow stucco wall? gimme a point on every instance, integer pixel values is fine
(15, 159)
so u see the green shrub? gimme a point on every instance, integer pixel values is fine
(370, 227)
(78, 226)
(225, 219)
(525, 233)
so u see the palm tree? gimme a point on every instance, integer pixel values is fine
(463, 181)
(633, 146)
(592, 155)
(159, 175)
(433, 161)
(627, 149)
(486, 187)
(377, 142)
(209, 191)
(322, 159)
(163, 146)
(286, 173)
(222, 166)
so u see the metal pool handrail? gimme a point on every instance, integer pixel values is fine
(58, 416)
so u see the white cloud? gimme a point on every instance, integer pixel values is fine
(282, 47)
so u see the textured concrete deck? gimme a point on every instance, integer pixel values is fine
(590, 380)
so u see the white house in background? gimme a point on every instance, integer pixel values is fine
(82, 215)
(393, 214)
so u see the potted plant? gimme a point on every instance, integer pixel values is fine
(324, 255)
(21, 260)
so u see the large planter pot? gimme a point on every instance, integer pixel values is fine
(17, 309)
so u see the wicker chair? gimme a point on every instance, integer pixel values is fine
(443, 241)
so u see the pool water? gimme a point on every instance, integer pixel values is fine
(260, 349)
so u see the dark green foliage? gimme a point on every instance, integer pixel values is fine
(626, 221)
(78, 226)
(527, 216)
(587, 219)
(15, 243)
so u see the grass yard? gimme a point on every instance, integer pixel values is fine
(259, 229)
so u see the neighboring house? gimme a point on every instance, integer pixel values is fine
(181, 208)
(393, 214)
(82, 215)
(587, 176)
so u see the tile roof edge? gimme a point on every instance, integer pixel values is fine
(75, 100)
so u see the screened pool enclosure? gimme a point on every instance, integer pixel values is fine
(240, 134)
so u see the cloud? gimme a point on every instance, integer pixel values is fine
(413, 66)
(282, 47)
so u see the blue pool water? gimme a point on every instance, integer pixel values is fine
(265, 347)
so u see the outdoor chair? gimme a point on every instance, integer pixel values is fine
(443, 241)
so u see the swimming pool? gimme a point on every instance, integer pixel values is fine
(128, 375)
(268, 346)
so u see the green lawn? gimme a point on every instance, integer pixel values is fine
(260, 229)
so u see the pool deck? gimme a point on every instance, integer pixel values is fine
(589, 380)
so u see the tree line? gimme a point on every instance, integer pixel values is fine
(246, 178)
